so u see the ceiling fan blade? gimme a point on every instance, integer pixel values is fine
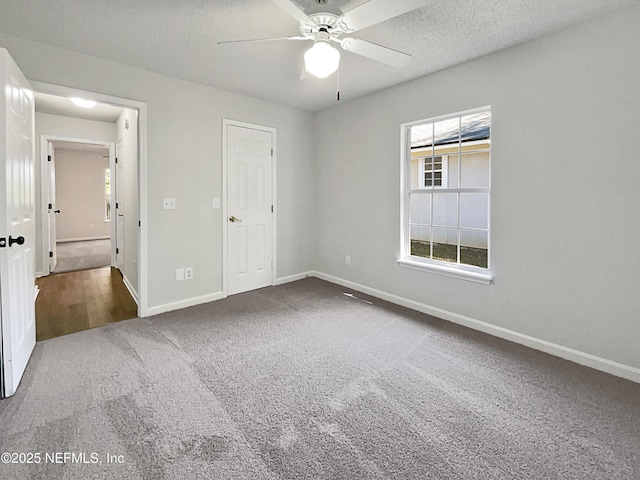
(263, 40)
(376, 11)
(293, 10)
(375, 52)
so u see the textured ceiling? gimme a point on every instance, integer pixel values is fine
(178, 38)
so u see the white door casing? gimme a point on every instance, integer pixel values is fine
(51, 207)
(249, 192)
(17, 224)
(120, 206)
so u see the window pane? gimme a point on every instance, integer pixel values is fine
(451, 167)
(476, 127)
(445, 244)
(474, 210)
(422, 136)
(447, 132)
(415, 171)
(475, 170)
(474, 248)
(421, 241)
(445, 209)
(420, 211)
(428, 164)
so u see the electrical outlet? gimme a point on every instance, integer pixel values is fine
(347, 259)
(169, 203)
(188, 273)
(179, 274)
(216, 202)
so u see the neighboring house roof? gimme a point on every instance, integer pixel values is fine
(471, 128)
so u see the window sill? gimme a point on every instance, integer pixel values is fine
(483, 277)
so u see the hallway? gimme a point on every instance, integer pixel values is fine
(75, 301)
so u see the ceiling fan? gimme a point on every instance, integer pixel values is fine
(330, 25)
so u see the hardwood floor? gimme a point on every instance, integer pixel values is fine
(75, 301)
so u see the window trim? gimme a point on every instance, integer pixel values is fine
(455, 270)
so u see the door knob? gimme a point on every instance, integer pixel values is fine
(56, 211)
(234, 219)
(19, 240)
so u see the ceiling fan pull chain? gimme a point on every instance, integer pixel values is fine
(338, 84)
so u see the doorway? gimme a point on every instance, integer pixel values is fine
(77, 216)
(67, 300)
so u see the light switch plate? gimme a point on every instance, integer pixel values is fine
(169, 203)
(179, 274)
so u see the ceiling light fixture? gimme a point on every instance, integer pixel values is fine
(80, 102)
(322, 59)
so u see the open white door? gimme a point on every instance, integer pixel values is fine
(250, 208)
(119, 178)
(52, 209)
(17, 225)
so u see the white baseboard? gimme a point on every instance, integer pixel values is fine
(132, 290)
(81, 239)
(582, 358)
(167, 307)
(292, 278)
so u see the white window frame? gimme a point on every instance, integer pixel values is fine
(456, 270)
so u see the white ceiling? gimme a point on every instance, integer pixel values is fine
(62, 106)
(178, 38)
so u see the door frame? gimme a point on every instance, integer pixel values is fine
(226, 123)
(44, 189)
(143, 230)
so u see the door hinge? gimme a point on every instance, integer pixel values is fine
(117, 251)
(50, 254)
(117, 205)
(271, 208)
(272, 152)
(139, 223)
(48, 158)
(50, 206)
(116, 159)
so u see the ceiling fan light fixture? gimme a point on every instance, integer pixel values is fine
(322, 59)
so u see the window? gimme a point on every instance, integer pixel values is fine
(446, 195)
(431, 173)
(107, 195)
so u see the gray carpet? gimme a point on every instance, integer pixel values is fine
(301, 381)
(83, 255)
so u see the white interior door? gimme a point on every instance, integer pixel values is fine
(17, 226)
(52, 210)
(120, 204)
(250, 209)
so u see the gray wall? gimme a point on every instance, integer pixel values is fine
(184, 148)
(565, 169)
(80, 194)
